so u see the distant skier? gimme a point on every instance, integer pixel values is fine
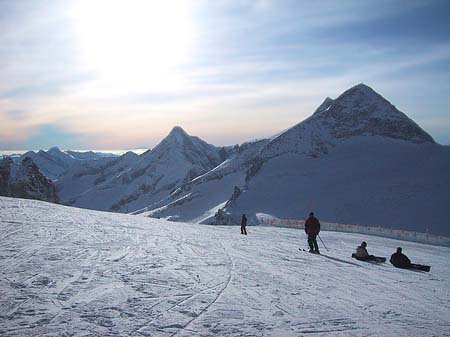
(244, 224)
(312, 228)
(363, 255)
(400, 260)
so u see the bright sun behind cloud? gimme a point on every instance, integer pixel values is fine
(134, 44)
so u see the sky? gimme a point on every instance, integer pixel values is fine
(94, 74)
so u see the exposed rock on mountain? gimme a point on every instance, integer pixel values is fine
(24, 180)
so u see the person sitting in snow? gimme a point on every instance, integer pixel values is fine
(400, 260)
(244, 224)
(312, 229)
(363, 255)
(361, 251)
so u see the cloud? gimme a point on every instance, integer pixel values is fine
(42, 137)
(257, 67)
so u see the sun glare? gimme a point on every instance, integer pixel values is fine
(133, 43)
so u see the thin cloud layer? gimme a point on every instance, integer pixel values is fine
(248, 69)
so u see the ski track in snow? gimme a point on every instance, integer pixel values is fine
(72, 272)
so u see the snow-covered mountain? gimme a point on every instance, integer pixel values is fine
(199, 199)
(22, 179)
(54, 163)
(359, 111)
(90, 155)
(75, 272)
(85, 176)
(357, 159)
(131, 183)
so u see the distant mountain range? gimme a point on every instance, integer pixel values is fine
(356, 159)
(132, 182)
(54, 163)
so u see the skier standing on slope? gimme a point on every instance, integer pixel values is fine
(244, 224)
(312, 228)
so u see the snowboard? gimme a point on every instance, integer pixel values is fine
(377, 259)
(421, 267)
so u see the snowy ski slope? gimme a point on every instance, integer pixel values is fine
(71, 272)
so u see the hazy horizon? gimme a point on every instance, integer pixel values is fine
(116, 151)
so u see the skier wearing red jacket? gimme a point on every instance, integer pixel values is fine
(312, 228)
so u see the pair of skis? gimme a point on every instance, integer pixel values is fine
(304, 250)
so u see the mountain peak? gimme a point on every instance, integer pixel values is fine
(324, 106)
(361, 111)
(177, 135)
(54, 149)
(357, 112)
(362, 92)
(178, 130)
(362, 87)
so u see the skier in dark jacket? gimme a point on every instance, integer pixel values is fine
(400, 260)
(312, 228)
(244, 224)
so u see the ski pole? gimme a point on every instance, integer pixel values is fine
(322, 242)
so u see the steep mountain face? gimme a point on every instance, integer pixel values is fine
(357, 159)
(128, 186)
(359, 111)
(197, 200)
(88, 174)
(52, 163)
(24, 180)
(180, 148)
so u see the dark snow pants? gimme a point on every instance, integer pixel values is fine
(243, 230)
(312, 242)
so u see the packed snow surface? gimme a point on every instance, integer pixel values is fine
(72, 272)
